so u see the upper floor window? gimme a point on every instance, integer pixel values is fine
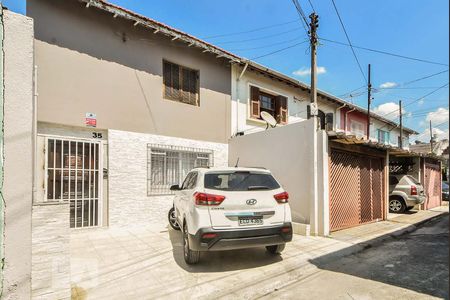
(383, 136)
(276, 105)
(181, 83)
(357, 127)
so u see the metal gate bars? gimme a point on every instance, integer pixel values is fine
(356, 189)
(72, 174)
(432, 185)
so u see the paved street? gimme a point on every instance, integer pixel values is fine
(412, 266)
(147, 263)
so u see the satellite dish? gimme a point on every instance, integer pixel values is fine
(270, 120)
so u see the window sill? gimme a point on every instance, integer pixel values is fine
(259, 122)
(180, 102)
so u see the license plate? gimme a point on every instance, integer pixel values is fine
(250, 221)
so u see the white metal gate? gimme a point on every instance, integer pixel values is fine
(73, 172)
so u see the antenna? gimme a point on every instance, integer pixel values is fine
(270, 120)
(237, 163)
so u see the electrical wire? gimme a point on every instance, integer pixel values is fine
(251, 30)
(416, 100)
(265, 46)
(279, 50)
(384, 52)
(349, 42)
(312, 6)
(258, 38)
(302, 15)
(376, 90)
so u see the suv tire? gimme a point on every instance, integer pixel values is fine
(275, 249)
(191, 257)
(173, 219)
(397, 205)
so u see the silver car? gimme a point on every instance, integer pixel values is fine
(405, 192)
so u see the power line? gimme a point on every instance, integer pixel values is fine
(279, 50)
(407, 88)
(250, 30)
(440, 124)
(257, 38)
(349, 42)
(302, 15)
(266, 46)
(416, 100)
(312, 6)
(425, 77)
(399, 86)
(385, 52)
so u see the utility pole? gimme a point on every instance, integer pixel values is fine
(369, 100)
(313, 41)
(431, 138)
(401, 124)
(314, 212)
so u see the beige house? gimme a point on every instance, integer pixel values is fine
(126, 106)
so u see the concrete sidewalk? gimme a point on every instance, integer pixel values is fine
(396, 224)
(147, 263)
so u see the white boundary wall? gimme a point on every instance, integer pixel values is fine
(129, 204)
(288, 152)
(17, 154)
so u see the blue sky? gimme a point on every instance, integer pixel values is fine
(413, 28)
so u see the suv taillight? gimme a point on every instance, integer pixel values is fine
(208, 199)
(281, 197)
(413, 190)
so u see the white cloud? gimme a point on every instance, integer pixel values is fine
(424, 136)
(307, 71)
(437, 117)
(388, 85)
(421, 102)
(389, 110)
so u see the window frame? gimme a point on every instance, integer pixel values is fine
(180, 80)
(271, 93)
(172, 164)
(360, 124)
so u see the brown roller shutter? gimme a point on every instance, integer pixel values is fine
(254, 104)
(167, 75)
(281, 109)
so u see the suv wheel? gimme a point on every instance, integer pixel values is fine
(275, 249)
(396, 205)
(173, 219)
(191, 257)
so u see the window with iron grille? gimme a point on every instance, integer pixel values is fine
(169, 165)
(181, 83)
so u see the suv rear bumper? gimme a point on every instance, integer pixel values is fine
(238, 239)
(414, 200)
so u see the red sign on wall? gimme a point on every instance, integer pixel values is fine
(91, 120)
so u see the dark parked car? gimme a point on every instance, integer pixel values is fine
(445, 189)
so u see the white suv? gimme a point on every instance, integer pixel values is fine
(230, 208)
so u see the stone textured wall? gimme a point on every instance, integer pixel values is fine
(50, 269)
(17, 153)
(129, 204)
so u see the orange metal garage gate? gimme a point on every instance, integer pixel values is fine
(356, 189)
(432, 184)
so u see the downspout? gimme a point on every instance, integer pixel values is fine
(238, 79)
(345, 120)
(338, 125)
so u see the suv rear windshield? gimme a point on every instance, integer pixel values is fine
(240, 181)
(415, 181)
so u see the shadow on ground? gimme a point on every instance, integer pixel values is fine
(417, 261)
(220, 261)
